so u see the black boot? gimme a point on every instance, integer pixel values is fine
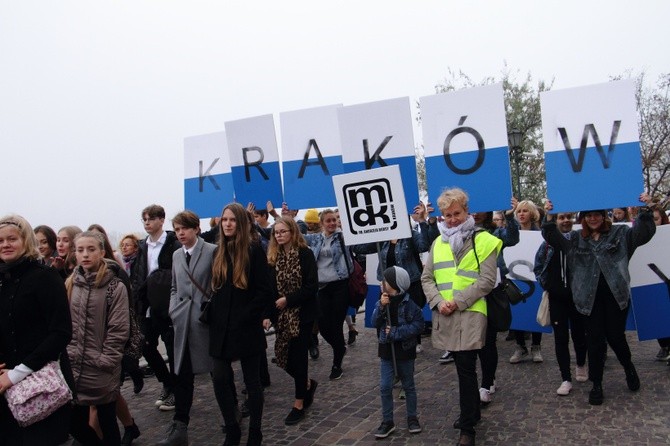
(255, 437)
(596, 396)
(233, 435)
(632, 379)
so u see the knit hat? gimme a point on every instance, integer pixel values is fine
(397, 278)
(312, 216)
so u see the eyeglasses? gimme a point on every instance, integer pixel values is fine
(282, 232)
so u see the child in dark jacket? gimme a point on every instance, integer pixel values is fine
(398, 321)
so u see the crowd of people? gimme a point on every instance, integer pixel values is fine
(211, 296)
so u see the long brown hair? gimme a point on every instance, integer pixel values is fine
(234, 249)
(605, 226)
(296, 241)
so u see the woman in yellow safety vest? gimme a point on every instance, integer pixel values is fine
(455, 280)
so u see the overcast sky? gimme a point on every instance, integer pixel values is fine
(97, 96)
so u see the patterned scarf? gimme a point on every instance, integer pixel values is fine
(289, 280)
(455, 236)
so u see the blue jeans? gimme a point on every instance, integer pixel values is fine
(406, 375)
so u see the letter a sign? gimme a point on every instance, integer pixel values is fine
(592, 147)
(372, 205)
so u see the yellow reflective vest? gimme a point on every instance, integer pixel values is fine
(450, 277)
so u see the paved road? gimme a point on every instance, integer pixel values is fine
(525, 410)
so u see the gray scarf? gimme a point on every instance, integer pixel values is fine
(455, 236)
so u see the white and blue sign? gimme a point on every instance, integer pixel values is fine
(208, 182)
(254, 160)
(311, 155)
(465, 145)
(379, 134)
(650, 279)
(592, 147)
(520, 260)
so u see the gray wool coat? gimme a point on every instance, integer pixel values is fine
(185, 303)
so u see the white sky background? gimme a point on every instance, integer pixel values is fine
(96, 97)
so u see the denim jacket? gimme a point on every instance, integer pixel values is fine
(410, 323)
(406, 252)
(609, 256)
(343, 267)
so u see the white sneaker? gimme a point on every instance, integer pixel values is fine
(484, 396)
(565, 388)
(519, 355)
(535, 351)
(419, 349)
(492, 389)
(582, 373)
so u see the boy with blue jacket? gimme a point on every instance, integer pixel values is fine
(398, 321)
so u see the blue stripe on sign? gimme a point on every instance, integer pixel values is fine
(489, 187)
(210, 201)
(258, 190)
(407, 166)
(595, 187)
(315, 188)
(651, 308)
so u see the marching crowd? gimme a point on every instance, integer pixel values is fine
(68, 296)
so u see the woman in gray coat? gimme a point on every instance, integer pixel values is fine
(191, 285)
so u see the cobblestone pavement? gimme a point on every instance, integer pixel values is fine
(525, 409)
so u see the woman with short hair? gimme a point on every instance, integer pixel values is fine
(461, 269)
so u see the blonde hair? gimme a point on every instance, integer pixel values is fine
(100, 275)
(296, 241)
(25, 231)
(450, 196)
(528, 204)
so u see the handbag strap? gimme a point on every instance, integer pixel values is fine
(198, 286)
(344, 253)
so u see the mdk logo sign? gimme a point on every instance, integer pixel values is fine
(372, 205)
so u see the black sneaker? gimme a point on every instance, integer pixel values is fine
(130, 433)
(314, 351)
(352, 337)
(632, 379)
(385, 429)
(309, 398)
(335, 373)
(168, 403)
(163, 396)
(663, 354)
(295, 416)
(596, 396)
(413, 425)
(446, 358)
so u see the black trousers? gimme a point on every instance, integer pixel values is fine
(297, 364)
(566, 321)
(154, 327)
(333, 304)
(85, 434)
(51, 431)
(466, 368)
(224, 389)
(183, 389)
(488, 356)
(606, 325)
